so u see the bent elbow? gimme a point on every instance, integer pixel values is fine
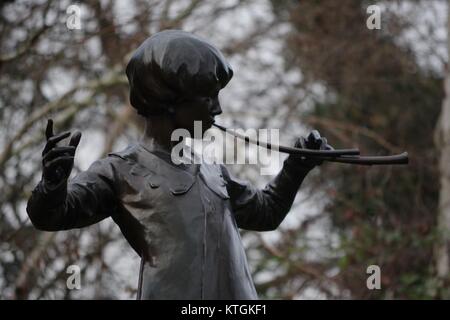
(276, 216)
(274, 224)
(270, 224)
(39, 219)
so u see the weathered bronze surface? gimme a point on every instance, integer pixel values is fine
(182, 220)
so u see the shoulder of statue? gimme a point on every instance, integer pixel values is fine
(129, 154)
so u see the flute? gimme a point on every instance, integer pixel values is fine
(349, 156)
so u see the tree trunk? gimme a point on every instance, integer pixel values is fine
(443, 144)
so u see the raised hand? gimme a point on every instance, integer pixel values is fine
(57, 162)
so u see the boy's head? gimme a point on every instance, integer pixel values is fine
(177, 72)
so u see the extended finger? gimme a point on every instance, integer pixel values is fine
(58, 151)
(49, 129)
(75, 139)
(59, 137)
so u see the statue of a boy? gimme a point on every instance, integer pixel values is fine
(182, 220)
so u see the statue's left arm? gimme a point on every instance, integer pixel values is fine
(264, 210)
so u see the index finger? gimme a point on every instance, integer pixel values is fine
(55, 139)
(49, 129)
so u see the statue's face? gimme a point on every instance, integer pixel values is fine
(202, 109)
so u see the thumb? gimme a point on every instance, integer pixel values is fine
(75, 139)
(49, 129)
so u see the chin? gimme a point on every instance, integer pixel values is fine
(208, 125)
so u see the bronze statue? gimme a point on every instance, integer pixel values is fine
(182, 220)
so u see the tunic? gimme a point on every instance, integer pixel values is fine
(184, 224)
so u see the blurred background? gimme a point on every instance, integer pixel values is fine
(298, 65)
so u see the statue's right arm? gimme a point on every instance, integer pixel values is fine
(59, 204)
(87, 199)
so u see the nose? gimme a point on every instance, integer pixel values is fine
(215, 107)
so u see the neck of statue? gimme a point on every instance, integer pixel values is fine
(158, 132)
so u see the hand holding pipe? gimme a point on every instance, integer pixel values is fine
(349, 156)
